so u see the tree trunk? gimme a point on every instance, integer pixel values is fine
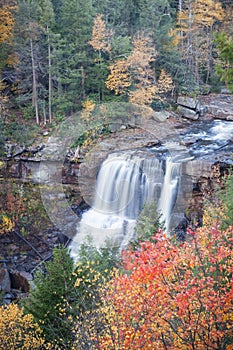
(44, 113)
(83, 95)
(210, 54)
(34, 84)
(50, 78)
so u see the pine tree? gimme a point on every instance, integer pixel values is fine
(71, 54)
(47, 21)
(50, 300)
(225, 47)
(227, 199)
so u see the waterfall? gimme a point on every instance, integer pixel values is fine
(124, 184)
(169, 191)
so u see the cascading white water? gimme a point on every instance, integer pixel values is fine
(169, 191)
(125, 183)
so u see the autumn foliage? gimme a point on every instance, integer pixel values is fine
(170, 296)
(13, 207)
(100, 36)
(135, 75)
(18, 331)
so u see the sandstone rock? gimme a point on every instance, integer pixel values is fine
(224, 90)
(7, 298)
(13, 149)
(221, 111)
(5, 282)
(21, 280)
(115, 125)
(188, 102)
(187, 113)
(196, 168)
(161, 116)
(106, 146)
(219, 106)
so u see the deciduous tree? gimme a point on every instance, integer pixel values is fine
(101, 43)
(135, 75)
(19, 331)
(170, 296)
(8, 59)
(196, 22)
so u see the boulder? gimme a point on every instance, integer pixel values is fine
(115, 125)
(7, 298)
(188, 102)
(225, 90)
(5, 282)
(221, 111)
(160, 116)
(218, 106)
(21, 280)
(187, 113)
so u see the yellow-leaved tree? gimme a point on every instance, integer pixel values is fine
(196, 22)
(141, 64)
(7, 57)
(119, 78)
(135, 75)
(19, 331)
(101, 43)
(100, 35)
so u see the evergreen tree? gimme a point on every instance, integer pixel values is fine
(227, 199)
(71, 54)
(148, 222)
(225, 47)
(50, 300)
(47, 21)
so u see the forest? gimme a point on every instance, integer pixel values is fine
(58, 55)
(59, 58)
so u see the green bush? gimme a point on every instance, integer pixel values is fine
(226, 196)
